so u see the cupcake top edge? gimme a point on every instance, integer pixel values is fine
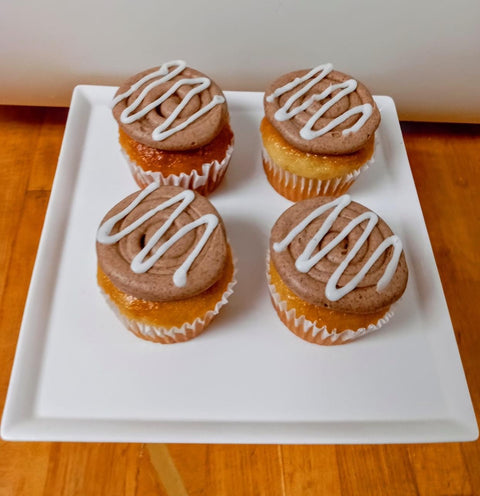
(321, 110)
(338, 254)
(163, 243)
(172, 107)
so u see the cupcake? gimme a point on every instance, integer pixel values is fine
(164, 263)
(174, 127)
(318, 132)
(335, 269)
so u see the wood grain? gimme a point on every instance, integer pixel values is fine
(445, 161)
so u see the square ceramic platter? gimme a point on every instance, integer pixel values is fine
(80, 376)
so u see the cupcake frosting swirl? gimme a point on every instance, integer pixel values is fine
(163, 243)
(171, 107)
(338, 254)
(322, 111)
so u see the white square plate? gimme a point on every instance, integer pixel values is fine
(80, 376)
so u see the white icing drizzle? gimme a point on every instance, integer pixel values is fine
(286, 113)
(306, 261)
(159, 77)
(140, 263)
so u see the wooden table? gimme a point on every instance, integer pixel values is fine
(445, 161)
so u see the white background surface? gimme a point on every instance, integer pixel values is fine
(425, 54)
(79, 375)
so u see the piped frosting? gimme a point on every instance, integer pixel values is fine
(172, 107)
(322, 110)
(335, 252)
(162, 243)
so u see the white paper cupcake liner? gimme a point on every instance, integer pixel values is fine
(284, 181)
(210, 176)
(307, 329)
(168, 335)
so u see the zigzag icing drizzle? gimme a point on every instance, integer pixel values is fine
(285, 112)
(160, 76)
(306, 261)
(140, 262)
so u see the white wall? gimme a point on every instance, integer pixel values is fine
(424, 53)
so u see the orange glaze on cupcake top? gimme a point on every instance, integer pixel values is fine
(320, 315)
(176, 162)
(168, 313)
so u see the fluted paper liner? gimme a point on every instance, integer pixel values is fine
(308, 331)
(168, 335)
(204, 182)
(296, 188)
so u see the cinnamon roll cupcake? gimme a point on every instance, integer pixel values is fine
(164, 263)
(174, 127)
(335, 269)
(318, 132)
